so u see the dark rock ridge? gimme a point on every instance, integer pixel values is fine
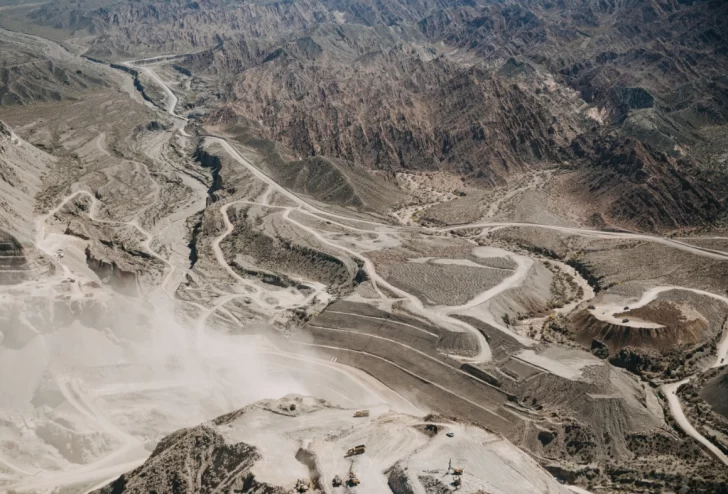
(196, 460)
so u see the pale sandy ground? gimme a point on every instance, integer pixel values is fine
(490, 463)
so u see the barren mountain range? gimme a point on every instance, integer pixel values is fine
(259, 246)
(631, 94)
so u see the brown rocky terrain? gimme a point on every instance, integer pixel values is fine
(632, 95)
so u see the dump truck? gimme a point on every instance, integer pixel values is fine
(361, 413)
(356, 450)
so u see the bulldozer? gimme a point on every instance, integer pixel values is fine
(361, 413)
(356, 450)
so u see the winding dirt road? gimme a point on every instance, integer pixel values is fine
(670, 391)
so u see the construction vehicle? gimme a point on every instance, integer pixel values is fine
(353, 480)
(356, 450)
(336, 482)
(454, 471)
(361, 413)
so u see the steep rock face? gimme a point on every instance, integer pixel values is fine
(122, 280)
(21, 169)
(631, 183)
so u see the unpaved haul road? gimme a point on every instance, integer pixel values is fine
(700, 251)
(670, 391)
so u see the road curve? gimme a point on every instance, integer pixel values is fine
(670, 391)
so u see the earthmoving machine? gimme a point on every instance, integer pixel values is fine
(454, 471)
(361, 413)
(353, 480)
(336, 482)
(356, 450)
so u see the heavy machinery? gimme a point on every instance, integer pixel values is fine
(361, 413)
(356, 450)
(353, 480)
(454, 471)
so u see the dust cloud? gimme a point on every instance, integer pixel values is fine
(91, 379)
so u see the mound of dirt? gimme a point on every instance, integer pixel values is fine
(617, 337)
(462, 344)
(676, 322)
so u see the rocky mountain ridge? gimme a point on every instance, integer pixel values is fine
(631, 95)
